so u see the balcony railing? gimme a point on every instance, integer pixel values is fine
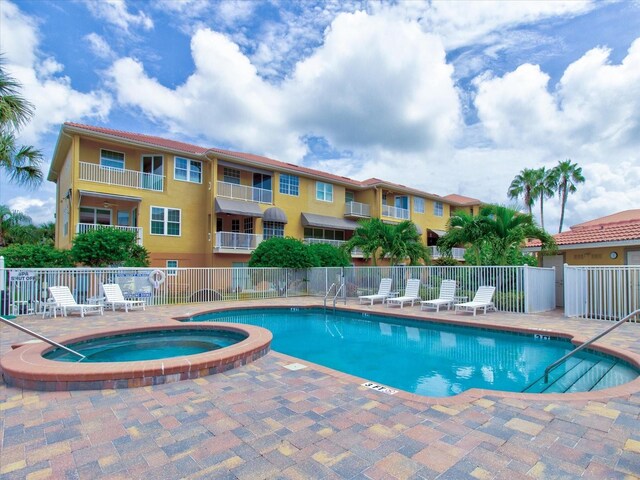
(92, 172)
(242, 192)
(456, 253)
(356, 252)
(355, 209)
(237, 241)
(395, 212)
(87, 227)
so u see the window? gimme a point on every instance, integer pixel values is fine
(134, 217)
(231, 175)
(248, 225)
(218, 224)
(109, 159)
(289, 184)
(273, 229)
(418, 205)
(235, 225)
(98, 216)
(171, 266)
(65, 221)
(438, 209)
(402, 202)
(165, 221)
(123, 218)
(188, 170)
(323, 234)
(349, 196)
(324, 192)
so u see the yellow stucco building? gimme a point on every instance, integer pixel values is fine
(192, 206)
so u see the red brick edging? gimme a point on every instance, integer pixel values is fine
(25, 367)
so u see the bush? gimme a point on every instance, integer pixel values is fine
(283, 253)
(35, 256)
(445, 262)
(107, 247)
(329, 256)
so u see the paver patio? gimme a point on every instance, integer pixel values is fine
(265, 421)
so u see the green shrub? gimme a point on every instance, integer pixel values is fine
(283, 253)
(35, 256)
(107, 247)
(329, 256)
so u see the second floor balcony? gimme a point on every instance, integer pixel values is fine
(87, 227)
(243, 192)
(395, 212)
(356, 209)
(92, 172)
(356, 252)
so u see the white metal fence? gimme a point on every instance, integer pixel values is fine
(93, 172)
(244, 192)
(601, 292)
(518, 289)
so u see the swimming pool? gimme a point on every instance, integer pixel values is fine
(150, 345)
(428, 358)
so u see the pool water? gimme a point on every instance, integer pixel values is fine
(150, 345)
(429, 358)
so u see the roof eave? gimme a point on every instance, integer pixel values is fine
(578, 246)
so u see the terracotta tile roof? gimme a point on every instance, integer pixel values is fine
(605, 229)
(138, 137)
(461, 199)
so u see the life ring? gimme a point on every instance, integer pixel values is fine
(156, 278)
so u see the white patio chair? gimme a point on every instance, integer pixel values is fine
(383, 292)
(113, 297)
(64, 300)
(410, 294)
(482, 300)
(447, 292)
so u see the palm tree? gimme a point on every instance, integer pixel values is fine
(522, 186)
(22, 163)
(10, 219)
(465, 229)
(545, 187)
(507, 229)
(372, 237)
(568, 175)
(405, 243)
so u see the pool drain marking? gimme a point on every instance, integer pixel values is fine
(380, 388)
(295, 366)
(537, 336)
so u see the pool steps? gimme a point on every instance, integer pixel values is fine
(580, 375)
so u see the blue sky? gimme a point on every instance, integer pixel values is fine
(448, 97)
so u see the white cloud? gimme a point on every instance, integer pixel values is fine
(40, 210)
(116, 13)
(52, 95)
(99, 46)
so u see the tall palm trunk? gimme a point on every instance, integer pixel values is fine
(563, 203)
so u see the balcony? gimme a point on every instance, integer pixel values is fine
(243, 192)
(456, 253)
(356, 252)
(355, 209)
(235, 242)
(87, 227)
(92, 172)
(395, 212)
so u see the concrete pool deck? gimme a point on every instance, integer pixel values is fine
(264, 421)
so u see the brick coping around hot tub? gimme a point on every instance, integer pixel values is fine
(25, 366)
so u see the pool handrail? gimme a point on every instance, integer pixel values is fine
(586, 344)
(40, 337)
(326, 295)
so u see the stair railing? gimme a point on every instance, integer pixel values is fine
(586, 344)
(40, 337)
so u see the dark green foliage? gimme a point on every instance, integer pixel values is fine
(283, 253)
(445, 262)
(107, 247)
(36, 256)
(329, 256)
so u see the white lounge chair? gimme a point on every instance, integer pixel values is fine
(447, 292)
(483, 299)
(113, 297)
(64, 300)
(383, 292)
(410, 294)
